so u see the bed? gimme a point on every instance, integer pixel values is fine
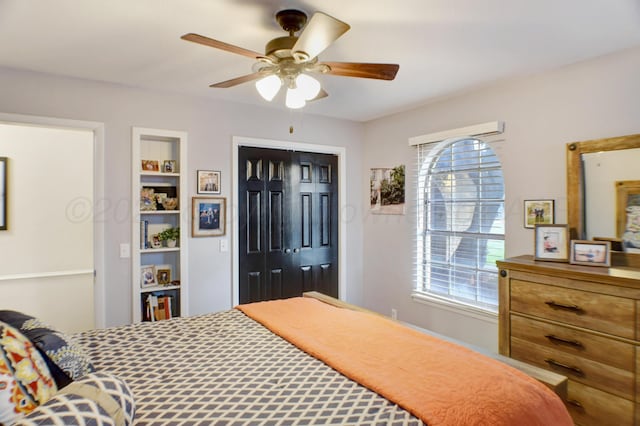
(308, 360)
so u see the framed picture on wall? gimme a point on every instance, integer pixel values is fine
(552, 242)
(208, 182)
(387, 190)
(208, 216)
(538, 212)
(3, 193)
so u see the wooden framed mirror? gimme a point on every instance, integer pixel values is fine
(581, 156)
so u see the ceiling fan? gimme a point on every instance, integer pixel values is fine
(288, 60)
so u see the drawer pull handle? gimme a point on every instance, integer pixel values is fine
(554, 363)
(556, 339)
(572, 308)
(575, 403)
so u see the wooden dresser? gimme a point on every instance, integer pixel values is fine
(579, 321)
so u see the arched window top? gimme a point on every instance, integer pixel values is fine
(461, 222)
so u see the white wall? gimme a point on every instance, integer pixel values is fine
(589, 100)
(210, 126)
(48, 199)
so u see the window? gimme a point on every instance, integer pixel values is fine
(460, 224)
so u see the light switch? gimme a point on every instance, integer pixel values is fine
(224, 245)
(125, 250)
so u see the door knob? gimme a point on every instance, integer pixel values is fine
(295, 250)
(287, 251)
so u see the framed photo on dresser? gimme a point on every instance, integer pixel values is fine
(591, 253)
(551, 243)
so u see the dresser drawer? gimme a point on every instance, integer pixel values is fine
(592, 407)
(605, 377)
(587, 345)
(608, 314)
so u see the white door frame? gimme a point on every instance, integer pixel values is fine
(98, 195)
(339, 151)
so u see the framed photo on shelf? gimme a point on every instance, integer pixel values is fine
(147, 199)
(147, 276)
(150, 166)
(551, 242)
(158, 194)
(592, 253)
(164, 276)
(538, 212)
(208, 217)
(208, 182)
(169, 166)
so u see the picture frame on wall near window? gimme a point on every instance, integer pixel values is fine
(538, 212)
(551, 242)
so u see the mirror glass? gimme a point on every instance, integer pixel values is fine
(602, 171)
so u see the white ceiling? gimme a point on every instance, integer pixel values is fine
(443, 47)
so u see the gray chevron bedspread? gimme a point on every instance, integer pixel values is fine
(226, 369)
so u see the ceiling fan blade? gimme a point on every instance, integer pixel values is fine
(363, 70)
(239, 80)
(197, 38)
(322, 94)
(317, 35)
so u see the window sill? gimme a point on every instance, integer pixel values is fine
(459, 308)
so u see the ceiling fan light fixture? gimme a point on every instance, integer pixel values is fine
(269, 86)
(295, 99)
(309, 86)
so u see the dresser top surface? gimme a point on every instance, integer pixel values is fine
(616, 275)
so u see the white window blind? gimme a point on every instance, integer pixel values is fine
(460, 224)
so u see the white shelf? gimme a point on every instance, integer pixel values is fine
(145, 173)
(159, 288)
(160, 145)
(159, 250)
(153, 212)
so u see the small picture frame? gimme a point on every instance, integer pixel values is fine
(164, 276)
(169, 166)
(147, 199)
(155, 241)
(551, 242)
(591, 253)
(208, 216)
(208, 182)
(147, 276)
(538, 212)
(150, 166)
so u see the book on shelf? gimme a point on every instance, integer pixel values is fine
(144, 234)
(158, 308)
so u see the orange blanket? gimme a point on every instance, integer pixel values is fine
(440, 382)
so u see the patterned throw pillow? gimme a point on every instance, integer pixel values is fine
(25, 381)
(66, 360)
(98, 399)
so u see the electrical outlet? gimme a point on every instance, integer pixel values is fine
(224, 245)
(394, 313)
